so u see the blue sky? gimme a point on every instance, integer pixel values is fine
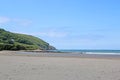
(65, 24)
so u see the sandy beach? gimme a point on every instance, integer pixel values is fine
(15, 66)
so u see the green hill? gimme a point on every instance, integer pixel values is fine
(15, 41)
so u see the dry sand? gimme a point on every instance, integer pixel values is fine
(14, 67)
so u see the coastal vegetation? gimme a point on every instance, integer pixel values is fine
(16, 41)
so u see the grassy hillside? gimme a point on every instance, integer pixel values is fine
(15, 41)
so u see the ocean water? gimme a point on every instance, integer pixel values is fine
(76, 53)
(90, 51)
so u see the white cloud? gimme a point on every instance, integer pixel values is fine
(50, 34)
(4, 20)
(22, 22)
(53, 34)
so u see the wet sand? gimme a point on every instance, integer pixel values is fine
(17, 66)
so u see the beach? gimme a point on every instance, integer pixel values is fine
(18, 65)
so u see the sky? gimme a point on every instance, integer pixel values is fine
(65, 24)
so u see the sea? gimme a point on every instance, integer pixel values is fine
(76, 53)
(88, 51)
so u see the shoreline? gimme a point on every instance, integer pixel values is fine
(57, 54)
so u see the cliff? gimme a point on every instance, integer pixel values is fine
(15, 41)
